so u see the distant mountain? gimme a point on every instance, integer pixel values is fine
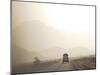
(57, 52)
(79, 52)
(53, 53)
(35, 38)
(37, 35)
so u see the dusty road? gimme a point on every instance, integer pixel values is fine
(57, 65)
(43, 67)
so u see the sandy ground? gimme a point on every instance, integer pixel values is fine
(57, 65)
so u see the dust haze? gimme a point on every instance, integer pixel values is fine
(45, 32)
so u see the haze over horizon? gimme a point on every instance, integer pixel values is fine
(48, 29)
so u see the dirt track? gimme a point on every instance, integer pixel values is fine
(79, 64)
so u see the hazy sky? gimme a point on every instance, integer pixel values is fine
(68, 18)
(43, 26)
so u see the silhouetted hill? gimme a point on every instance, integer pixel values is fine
(35, 38)
(37, 35)
(73, 53)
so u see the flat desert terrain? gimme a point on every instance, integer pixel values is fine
(56, 65)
